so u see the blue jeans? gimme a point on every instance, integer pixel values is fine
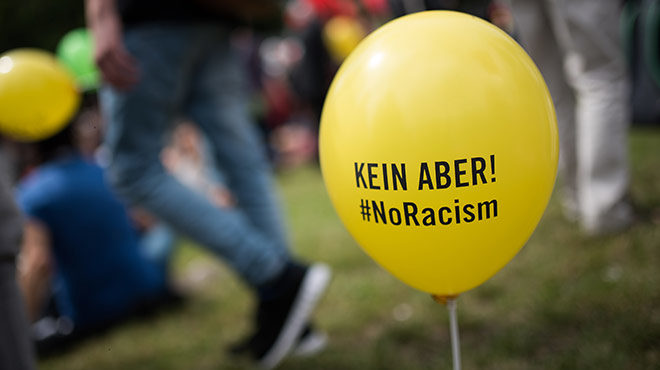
(157, 245)
(190, 70)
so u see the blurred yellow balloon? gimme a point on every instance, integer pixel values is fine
(341, 35)
(37, 95)
(438, 147)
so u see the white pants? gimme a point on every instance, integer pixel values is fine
(576, 45)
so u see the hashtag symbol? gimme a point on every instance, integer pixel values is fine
(365, 209)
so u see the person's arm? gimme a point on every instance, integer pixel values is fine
(117, 65)
(35, 267)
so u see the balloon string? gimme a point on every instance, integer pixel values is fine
(450, 302)
(455, 340)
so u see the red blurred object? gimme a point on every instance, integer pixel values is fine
(279, 102)
(376, 7)
(329, 8)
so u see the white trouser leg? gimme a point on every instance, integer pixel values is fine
(596, 69)
(535, 31)
(582, 36)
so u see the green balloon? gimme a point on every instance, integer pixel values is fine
(76, 51)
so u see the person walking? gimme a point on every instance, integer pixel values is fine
(161, 60)
(577, 47)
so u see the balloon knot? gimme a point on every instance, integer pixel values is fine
(444, 298)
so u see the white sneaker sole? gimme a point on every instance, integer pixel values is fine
(312, 344)
(312, 288)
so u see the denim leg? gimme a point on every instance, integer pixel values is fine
(218, 104)
(157, 245)
(137, 120)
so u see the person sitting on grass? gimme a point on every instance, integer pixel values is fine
(84, 265)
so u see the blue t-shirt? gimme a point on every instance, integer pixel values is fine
(102, 272)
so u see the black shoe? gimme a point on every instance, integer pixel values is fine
(282, 320)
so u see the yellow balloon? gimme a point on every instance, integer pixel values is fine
(341, 35)
(438, 148)
(37, 95)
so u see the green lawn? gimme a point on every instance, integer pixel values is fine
(564, 302)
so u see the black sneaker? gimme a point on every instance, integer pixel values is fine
(281, 321)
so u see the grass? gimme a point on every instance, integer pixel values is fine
(565, 301)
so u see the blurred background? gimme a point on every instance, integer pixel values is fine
(567, 301)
